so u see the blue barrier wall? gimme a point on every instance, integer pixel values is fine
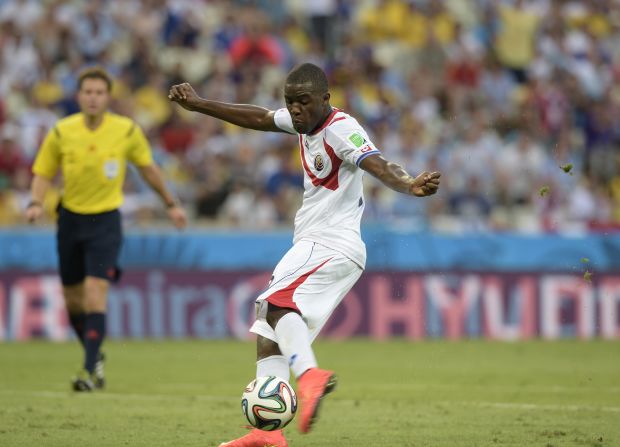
(34, 250)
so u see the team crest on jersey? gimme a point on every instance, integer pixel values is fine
(319, 164)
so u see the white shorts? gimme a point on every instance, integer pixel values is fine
(311, 279)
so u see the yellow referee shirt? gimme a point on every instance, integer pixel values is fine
(93, 162)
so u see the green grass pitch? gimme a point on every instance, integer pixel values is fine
(396, 393)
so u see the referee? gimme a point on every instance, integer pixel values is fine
(91, 148)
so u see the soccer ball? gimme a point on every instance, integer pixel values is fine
(269, 403)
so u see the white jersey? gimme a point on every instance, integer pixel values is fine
(333, 201)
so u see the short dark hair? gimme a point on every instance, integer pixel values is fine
(311, 73)
(95, 73)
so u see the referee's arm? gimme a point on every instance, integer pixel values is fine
(142, 159)
(40, 185)
(44, 170)
(153, 176)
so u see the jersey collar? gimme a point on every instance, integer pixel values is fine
(104, 119)
(328, 120)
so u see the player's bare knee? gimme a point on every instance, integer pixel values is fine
(266, 348)
(74, 298)
(95, 293)
(274, 313)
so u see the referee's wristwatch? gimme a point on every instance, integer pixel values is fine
(34, 203)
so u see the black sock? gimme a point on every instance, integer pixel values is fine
(77, 323)
(94, 333)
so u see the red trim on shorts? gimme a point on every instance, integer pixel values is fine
(284, 297)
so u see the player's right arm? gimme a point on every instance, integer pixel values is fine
(243, 115)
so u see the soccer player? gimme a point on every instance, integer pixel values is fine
(328, 254)
(91, 149)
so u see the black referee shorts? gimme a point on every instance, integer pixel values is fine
(88, 245)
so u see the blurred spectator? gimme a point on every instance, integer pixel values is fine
(321, 14)
(240, 207)
(10, 209)
(23, 13)
(497, 86)
(501, 96)
(287, 175)
(11, 155)
(521, 163)
(255, 45)
(214, 183)
(94, 30)
(515, 41)
(151, 108)
(472, 206)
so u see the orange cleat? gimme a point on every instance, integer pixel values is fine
(258, 438)
(312, 386)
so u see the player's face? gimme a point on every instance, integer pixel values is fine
(93, 96)
(306, 106)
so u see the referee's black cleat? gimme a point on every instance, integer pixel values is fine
(83, 382)
(99, 375)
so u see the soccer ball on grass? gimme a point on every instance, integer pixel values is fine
(269, 403)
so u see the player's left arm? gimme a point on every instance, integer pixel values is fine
(395, 177)
(153, 176)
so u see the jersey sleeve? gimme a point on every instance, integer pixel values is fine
(47, 160)
(282, 119)
(140, 149)
(351, 143)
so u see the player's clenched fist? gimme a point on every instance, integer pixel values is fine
(425, 184)
(183, 94)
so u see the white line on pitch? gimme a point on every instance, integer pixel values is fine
(108, 395)
(526, 406)
(527, 387)
(207, 397)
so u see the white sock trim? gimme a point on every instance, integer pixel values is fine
(274, 365)
(295, 344)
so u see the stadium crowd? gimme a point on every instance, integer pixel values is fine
(516, 102)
